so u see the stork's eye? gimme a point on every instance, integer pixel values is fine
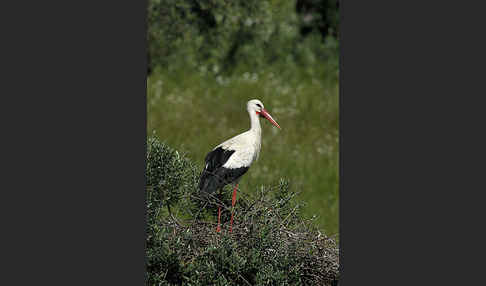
(258, 104)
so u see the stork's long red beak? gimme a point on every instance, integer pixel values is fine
(269, 117)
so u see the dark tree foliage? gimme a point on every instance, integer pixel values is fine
(226, 33)
(271, 243)
(321, 15)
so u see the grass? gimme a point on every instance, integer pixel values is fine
(193, 111)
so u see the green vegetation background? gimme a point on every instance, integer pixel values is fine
(207, 58)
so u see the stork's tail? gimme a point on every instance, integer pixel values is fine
(208, 184)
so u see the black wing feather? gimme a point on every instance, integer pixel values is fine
(214, 176)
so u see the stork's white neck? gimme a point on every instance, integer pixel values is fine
(255, 122)
(256, 131)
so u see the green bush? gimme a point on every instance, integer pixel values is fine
(271, 243)
(223, 34)
(169, 174)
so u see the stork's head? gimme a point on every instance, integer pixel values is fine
(256, 106)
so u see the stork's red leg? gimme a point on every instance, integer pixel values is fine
(218, 229)
(233, 201)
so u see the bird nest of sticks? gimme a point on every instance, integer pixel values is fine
(270, 241)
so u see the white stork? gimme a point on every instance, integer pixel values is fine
(228, 161)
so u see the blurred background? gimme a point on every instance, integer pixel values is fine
(207, 58)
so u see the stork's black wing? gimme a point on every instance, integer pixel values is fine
(214, 176)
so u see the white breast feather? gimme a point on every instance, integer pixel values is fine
(246, 150)
(241, 158)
